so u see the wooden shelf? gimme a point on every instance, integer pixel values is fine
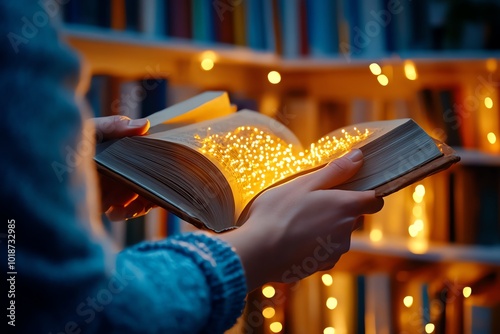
(435, 252)
(471, 157)
(397, 254)
(134, 55)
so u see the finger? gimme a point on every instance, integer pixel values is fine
(114, 193)
(336, 172)
(358, 224)
(358, 203)
(370, 203)
(119, 126)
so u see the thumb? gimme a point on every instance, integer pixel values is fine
(119, 126)
(336, 172)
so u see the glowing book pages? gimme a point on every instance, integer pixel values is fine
(208, 173)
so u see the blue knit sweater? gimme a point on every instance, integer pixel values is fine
(68, 280)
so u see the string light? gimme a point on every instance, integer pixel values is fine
(257, 158)
(331, 303)
(376, 235)
(492, 139)
(327, 279)
(375, 69)
(429, 328)
(274, 77)
(467, 291)
(408, 301)
(276, 327)
(268, 312)
(268, 291)
(207, 60)
(488, 102)
(418, 212)
(410, 70)
(207, 64)
(383, 79)
(329, 330)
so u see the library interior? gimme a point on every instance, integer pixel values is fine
(429, 261)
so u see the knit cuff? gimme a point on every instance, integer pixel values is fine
(223, 271)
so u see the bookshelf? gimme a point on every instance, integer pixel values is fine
(321, 91)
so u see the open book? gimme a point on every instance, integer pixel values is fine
(209, 172)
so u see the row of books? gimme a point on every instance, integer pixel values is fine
(304, 28)
(417, 301)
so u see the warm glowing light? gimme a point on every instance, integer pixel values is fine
(268, 312)
(207, 64)
(488, 102)
(417, 211)
(419, 224)
(274, 77)
(420, 190)
(375, 69)
(327, 279)
(492, 139)
(418, 246)
(329, 330)
(410, 70)
(331, 303)
(408, 301)
(491, 64)
(268, 291)
(383, 79)
(467, 291)
(429, 328)
(417, 198)
(413, 231)
(258, 158)
(276, 327)
(376, 235)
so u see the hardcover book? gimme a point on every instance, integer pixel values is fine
(208, 172)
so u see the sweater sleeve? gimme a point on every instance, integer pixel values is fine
(68, 280)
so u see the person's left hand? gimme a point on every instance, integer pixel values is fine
(118, 202)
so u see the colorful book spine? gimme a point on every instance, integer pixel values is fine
(290, 27)
(322, 25)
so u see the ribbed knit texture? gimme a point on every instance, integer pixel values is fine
(68, 280)
(221, 268)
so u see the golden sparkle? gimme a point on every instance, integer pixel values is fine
(257, 159)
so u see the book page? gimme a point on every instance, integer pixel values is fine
(245, 146)
(205, 106)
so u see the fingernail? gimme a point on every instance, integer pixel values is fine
(137, 123)
(355, 155)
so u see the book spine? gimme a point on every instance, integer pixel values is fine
(290, 24)
(253, 23)
(322, 28)
(179, 19)
(151, 20)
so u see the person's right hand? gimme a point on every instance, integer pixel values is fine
(302, 226)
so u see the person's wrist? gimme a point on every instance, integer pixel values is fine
(255, 250)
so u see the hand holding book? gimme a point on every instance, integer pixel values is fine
(210, 172)
(302, 219)
(118, 201)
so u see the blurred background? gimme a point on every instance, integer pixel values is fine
(429, 262)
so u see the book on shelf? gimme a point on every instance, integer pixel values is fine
(209, 172)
